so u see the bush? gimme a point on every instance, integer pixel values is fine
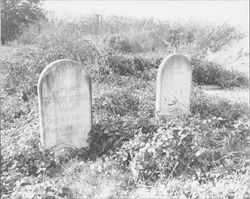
(205, 72)
(23, 67)
(122, 44)
(78, 48)
(179, 35)
(130, 65)
(216, 37)
(132, 35)
(119, 102)
(214, 137)
(206, 107)
(18, 14)
(184, 146)
(229, 79)
(110, 131)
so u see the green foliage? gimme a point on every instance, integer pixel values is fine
(122, 44)
(23, 67)
(15, 14)
(214, 38)
(74, 47)
(184, 146)
(205, 72)
(222, 108)
(206, 147)
(130, 65)
(179, 35)
(103, 54)
(12, 109)
(119, 102)
(131, 35)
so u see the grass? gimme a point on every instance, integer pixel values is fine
(130, 35)
(103, 180)
(28, 172)
(128, 155)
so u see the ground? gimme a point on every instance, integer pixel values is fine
(131, 155)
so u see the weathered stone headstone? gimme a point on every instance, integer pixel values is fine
(174, 81)
(64, 92)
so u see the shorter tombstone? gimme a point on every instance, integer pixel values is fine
(174, 79)
(64, 92)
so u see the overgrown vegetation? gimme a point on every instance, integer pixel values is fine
(207, 73)
(129, 150)
(18, 14)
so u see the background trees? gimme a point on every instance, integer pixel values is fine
(16, 14)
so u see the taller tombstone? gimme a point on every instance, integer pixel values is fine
(174, 81)
(64, 92)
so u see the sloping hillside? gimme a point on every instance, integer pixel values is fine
(234, 56)
(131, 154)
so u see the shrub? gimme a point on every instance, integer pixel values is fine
(119, 102)
(18, 14)
(23, 67)
(118, 64)
(130, 65)
(110, 131)
(206, 107)
(78, 48)
(132, 35)
(179, 35)
(205, 72)
(184, 146)
(122, 44)
(229, 79)
(216, 37)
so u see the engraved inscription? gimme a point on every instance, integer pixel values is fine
(65, 104)
(174, 85)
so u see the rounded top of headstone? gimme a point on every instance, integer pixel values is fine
(171, 58)
(174, 78)
(58, 63)
(177, 55)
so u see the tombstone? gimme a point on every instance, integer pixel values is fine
(174, 79)
(64, 92)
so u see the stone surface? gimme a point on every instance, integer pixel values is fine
(174, 80)
(64, 92)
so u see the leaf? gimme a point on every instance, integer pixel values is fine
(40, 169)
(197, 171)
(116, 143)
(106, 131)
(201, 152)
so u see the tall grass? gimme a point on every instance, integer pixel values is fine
(117, 53)
(132, 35)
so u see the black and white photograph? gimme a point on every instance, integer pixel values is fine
(136, 99)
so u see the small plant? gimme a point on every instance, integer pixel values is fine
(190, 146)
